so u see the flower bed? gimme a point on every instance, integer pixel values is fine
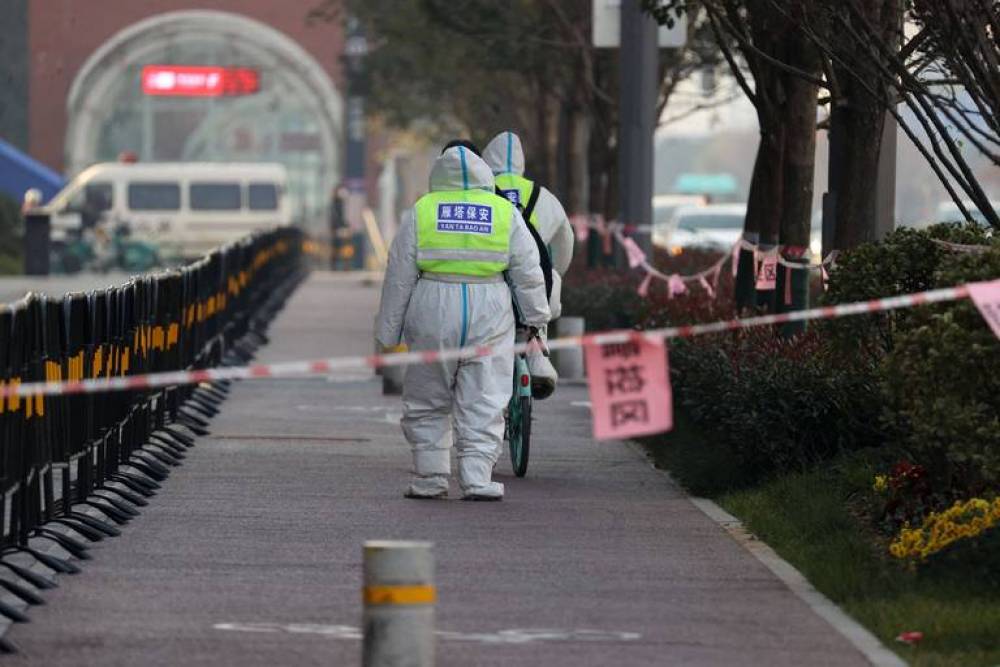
(962, 521)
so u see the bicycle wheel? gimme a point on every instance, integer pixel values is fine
(519, 432)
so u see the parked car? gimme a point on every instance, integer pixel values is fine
(664, 207)
(715, 227)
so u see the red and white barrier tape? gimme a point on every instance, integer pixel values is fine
(708, 278)
(323, 367)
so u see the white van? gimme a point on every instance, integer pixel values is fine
(185, 208)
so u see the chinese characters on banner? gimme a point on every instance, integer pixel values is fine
(629, 388)
(986, 296)
(768, 276)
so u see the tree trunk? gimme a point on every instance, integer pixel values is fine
(746, 269)
(856, 123)
(541, 154)
(578, 181)
(600, 166)
(799, 166)
(859, 128)
(765, 200)
(560, 187)
(765, 205)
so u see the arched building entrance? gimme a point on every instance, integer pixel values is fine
(294, 117)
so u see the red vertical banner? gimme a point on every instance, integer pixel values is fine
(630, 391)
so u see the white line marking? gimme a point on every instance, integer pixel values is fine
(513, 636)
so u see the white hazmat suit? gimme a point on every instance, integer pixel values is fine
(505, 155)
(429, 312)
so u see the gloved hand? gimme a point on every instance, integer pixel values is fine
(536, 342)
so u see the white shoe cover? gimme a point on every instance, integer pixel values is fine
(474, 473)
(430, 486)
(491, 491)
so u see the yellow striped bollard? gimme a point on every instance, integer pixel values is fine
(399, 597)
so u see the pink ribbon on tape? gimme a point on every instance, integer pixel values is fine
(581, 224)
(716, 272)
(707, 287)
(630, 391)
(636, 257)
(676, 286)
(986, 296)
(643, 288)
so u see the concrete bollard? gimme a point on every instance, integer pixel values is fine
(569, 363)
(392, 376)
(399, 597)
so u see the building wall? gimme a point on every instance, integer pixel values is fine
(62, 34)
(14, 73)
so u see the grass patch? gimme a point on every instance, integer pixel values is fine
(815, 520)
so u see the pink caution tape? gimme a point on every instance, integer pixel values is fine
(332, 365)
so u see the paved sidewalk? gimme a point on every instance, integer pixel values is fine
(251, 554)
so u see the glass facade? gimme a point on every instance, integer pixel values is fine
(279, 123)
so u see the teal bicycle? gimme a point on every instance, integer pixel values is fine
(517, 427)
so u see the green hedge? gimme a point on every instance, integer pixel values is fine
(922, 384)
(778, 405)
(941, 382)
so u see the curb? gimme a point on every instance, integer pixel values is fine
(860, 637)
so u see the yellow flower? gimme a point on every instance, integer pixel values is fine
(940, 529)
(881, 483)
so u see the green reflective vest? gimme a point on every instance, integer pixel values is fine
(464, 232)
(517, 189)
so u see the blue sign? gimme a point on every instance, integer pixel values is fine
(465, 218)
(513, 195)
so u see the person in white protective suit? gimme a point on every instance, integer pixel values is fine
(459, 253)
(542, 209)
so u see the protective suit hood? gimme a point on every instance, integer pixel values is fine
(504, 154)
(458, 168)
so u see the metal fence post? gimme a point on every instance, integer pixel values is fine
(399, 597)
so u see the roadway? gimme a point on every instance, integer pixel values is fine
(251, 554)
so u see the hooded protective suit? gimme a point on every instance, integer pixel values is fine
(430, 310)
(505, 155)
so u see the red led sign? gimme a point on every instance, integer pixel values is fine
(186, 81)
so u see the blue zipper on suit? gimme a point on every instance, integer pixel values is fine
(465, 314)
